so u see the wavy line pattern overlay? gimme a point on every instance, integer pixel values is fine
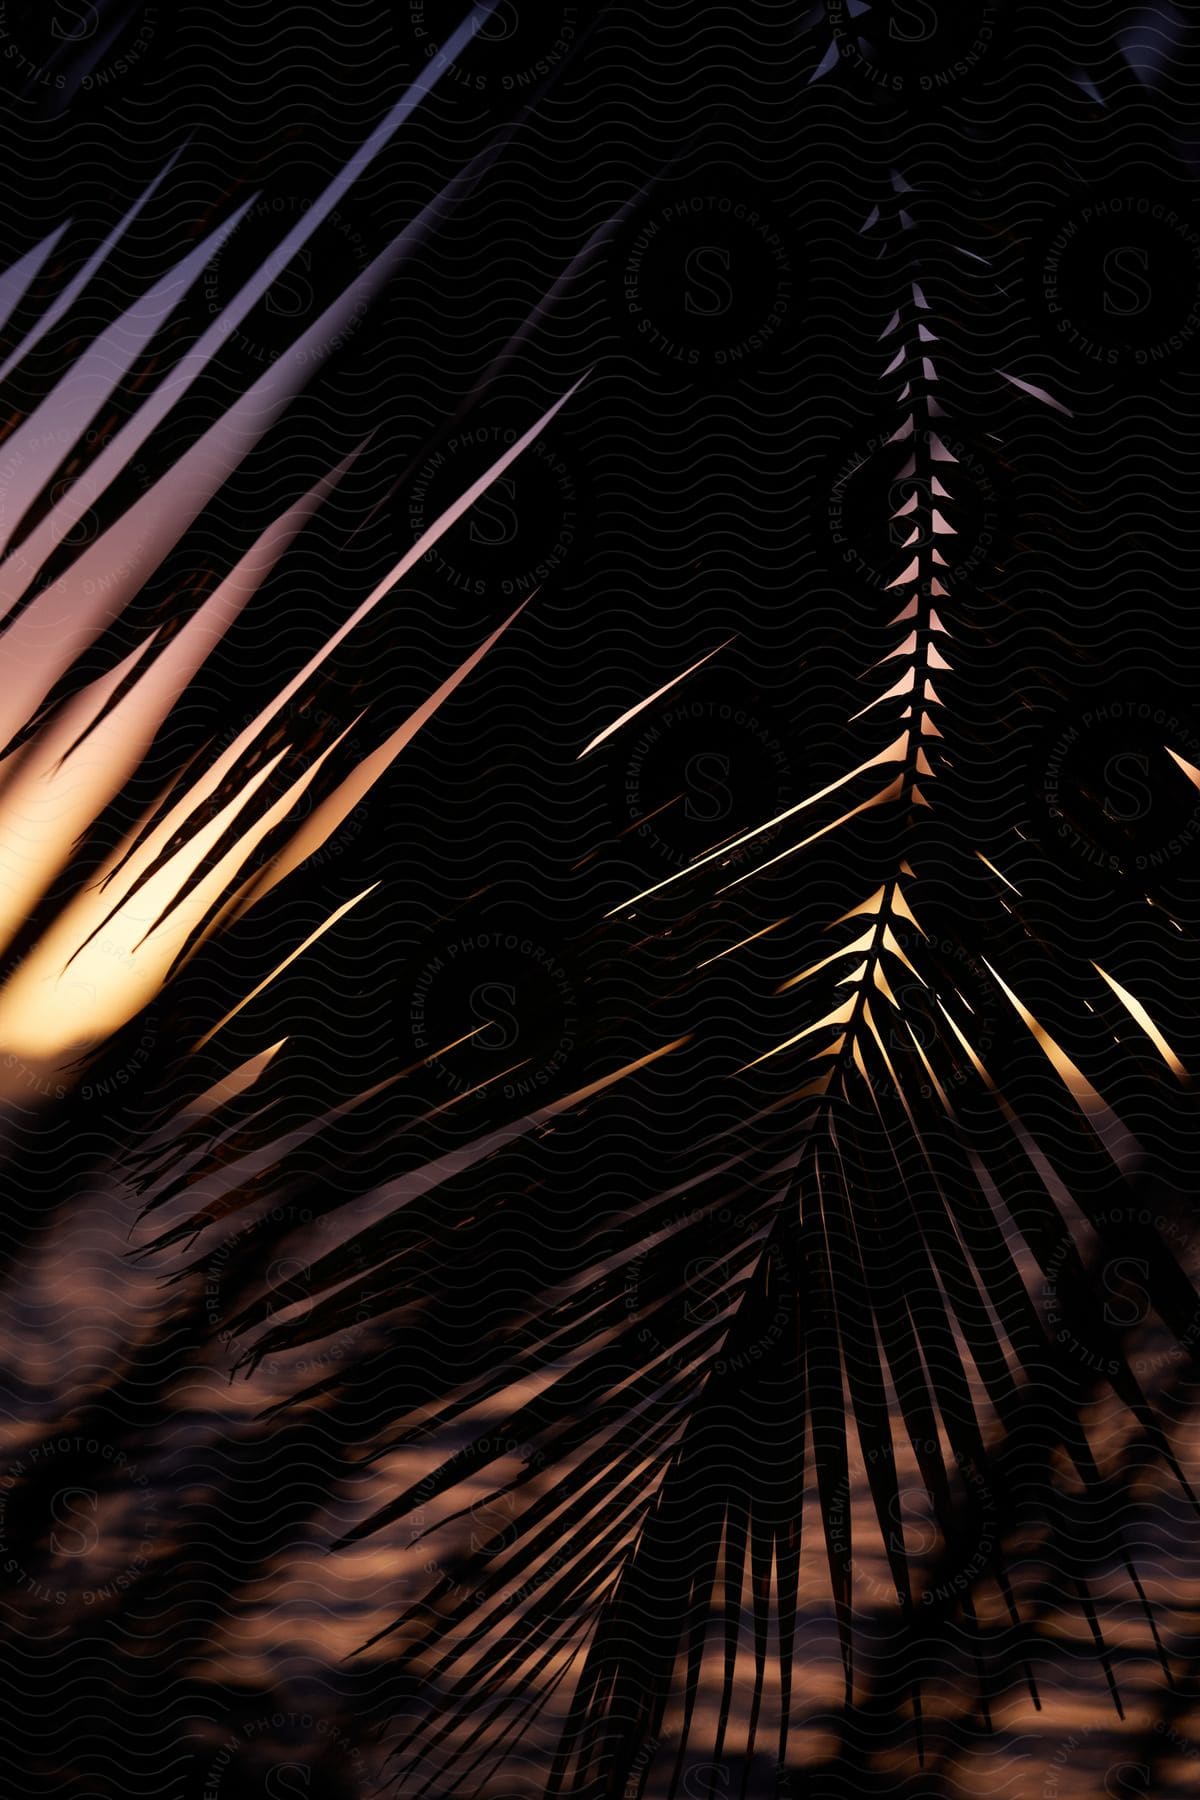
(599, 851)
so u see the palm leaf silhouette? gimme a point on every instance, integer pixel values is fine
(844, 1285)
(874, 1295)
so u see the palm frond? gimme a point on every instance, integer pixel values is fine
(872, 1282)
